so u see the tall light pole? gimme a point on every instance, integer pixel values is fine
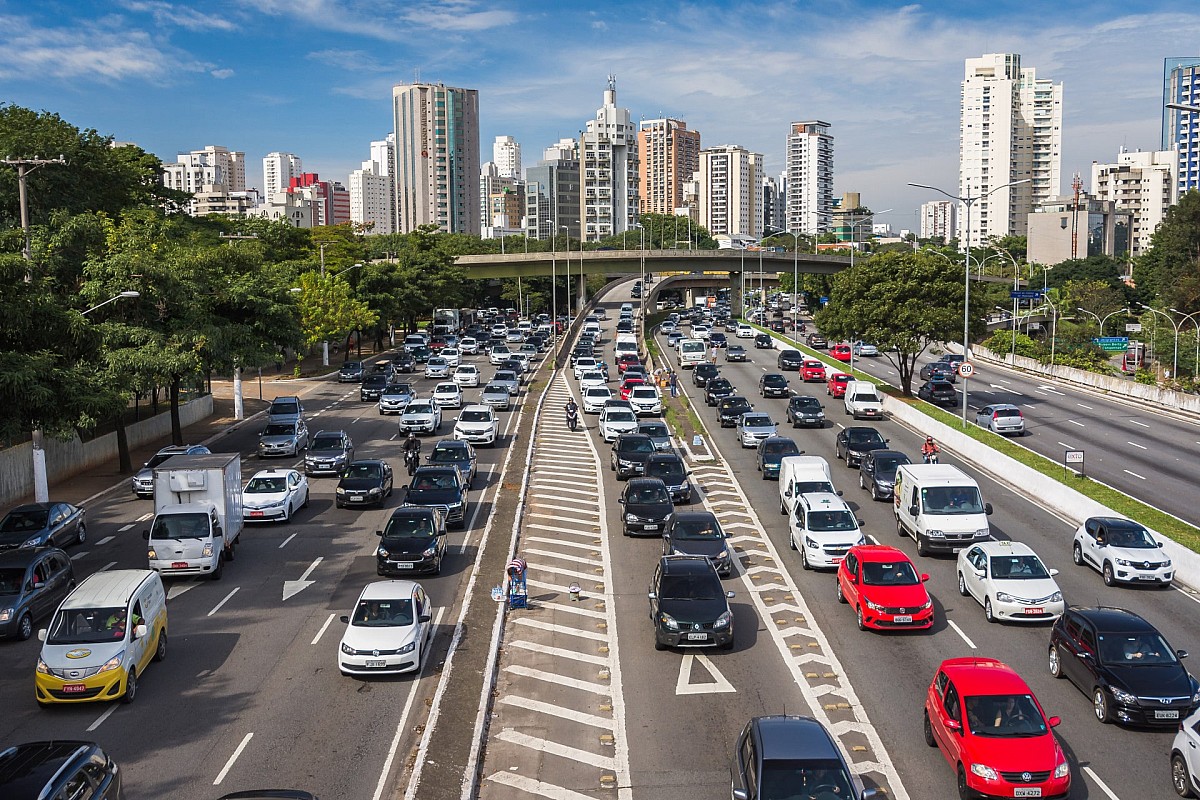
(1101, 320)
(968, 201)
(1196, 358)
(129, 295)
(869, 218)
(1175, 349)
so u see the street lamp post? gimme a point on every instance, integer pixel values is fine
(1175, 349)
(1196, 322)
(795, 269)
(968, 201)
(1053, 327)
(869, 218)
(1101, 320)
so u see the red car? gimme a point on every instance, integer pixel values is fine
(812, 370)
(841, 352)
(993, 731)
(628, 384)
(836, 386)
(885, 591)
(625, 360)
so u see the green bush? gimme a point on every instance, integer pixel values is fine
(1084, 360)
(1001, 342)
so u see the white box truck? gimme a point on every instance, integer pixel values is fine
(197, 514)
(802, 475)
(940, 507)
(863, 401)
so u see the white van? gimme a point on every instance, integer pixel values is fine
(625, 344)
(802, 475)
(102, 638)
(691, 352)
(940, 507)
(863, 401)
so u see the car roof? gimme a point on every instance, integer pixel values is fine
(686, 565)
(388, 589)
(826, 501)
(1118, 522)
(880, 552)
(474, 407)
(1007, 547)
(413, 511)
(1106, 618)
(273, 472)
(329, 434)
(27, 769)
(19, 559)
(696, 516)
(790, 737)
(975, 676)
(659, 458)
(109, 588)
(34, 507)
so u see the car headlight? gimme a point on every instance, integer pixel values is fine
(723, 554)
(1056, 597)
(455, 504)
(1004, 597)
(33, 541)
(984, 771)
(1122, 697)
(408, 648)
(208, 550)
(810, 542)
(42, 667)
(375, 491)
(1062, 770)
(382, 553)
(631, 517)
(1124, 563)
(668, 622)
(347, 649)
(341, 490)
(928, 604)
(982, 533)
(819, 415)
(113, 663)
(873, 606)
(723, 620)
(932, 534)
(1166, 563)
(623, 463)
(430, 552)
(276, 504)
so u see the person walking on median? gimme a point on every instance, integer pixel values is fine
(674, 384)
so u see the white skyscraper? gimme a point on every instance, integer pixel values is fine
(506, 153)
(809, 153)
(212, 166)
(278, 171)
(371, 198)
(609, 162)
(1011, 129)
(937, 219)
(1143, 183)
(730, 191)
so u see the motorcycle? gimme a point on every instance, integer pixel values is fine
(931, 457)
(412, 459)
(572, 418)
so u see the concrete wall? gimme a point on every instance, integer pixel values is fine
(65, 459)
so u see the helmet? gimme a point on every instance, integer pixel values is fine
(929, 440)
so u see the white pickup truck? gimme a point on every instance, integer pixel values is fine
(863, 401)
(197, 514)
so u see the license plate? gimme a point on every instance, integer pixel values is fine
(651, 527)
(376, 662)
(1027, 791)
(179, 565)
(837, 560)
(256, 513)
(402, 565)
(697, 637)
(356, 499)
(1166, 715)
(74, 688)
(1035, 611)
(1147, 578)
(905, 618)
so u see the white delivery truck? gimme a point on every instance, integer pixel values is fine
(940, 507)
(863, 401)
(197, 514)
(802, 475)
(691, 352)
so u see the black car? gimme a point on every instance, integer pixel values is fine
(364, 483)
(936, 370)
(790, 756)
(939, 392)
(688, 604)
(703, 373)
(877, 472)
(771, 451)
(36, 525)
(773, 384)
(717, 389)
(421, 354)
(459, 453)
(329, 452)
(731, 408)
(717, 339)
(404, 362)
(789, 360)
(372, 386)
(698, 533)
(763, 341)
(669, 469)
(440, 487)
(414, 540)
(805, 411)
(351, 372)
(735, 352)
(1125, 665)
(853, 443)
(646, 507)
(629, 454)
(32, 584)
(58, 769)
(816, 341)
(659, 433)
(777, 325)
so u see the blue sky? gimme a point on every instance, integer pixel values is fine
(314, 77)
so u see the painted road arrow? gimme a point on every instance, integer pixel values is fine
(292, 588)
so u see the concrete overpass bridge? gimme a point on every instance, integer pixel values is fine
(610, 262)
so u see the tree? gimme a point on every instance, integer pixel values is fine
(901, 302)
(1169, 274)
(328, 309)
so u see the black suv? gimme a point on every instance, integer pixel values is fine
(877, 472)
(805, 411)
(414, 540)
(403, 362)
(58, 769)
(669, 469)
(729, 409)
(32, 584)
(372, 386)
(1123, 663)
(773, 384)
(698, 533)
(939, 392)
(717, 389)
(816, 341)
(439, 487)
(630, 451)
(646, 507)
(789, 360)
(703, 373)
(763, 341)
(853, 443)
(688, 604)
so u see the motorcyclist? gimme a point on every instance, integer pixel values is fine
(929, 449)
(572, 413)
(412, 451)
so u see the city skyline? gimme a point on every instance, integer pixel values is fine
(314, 78)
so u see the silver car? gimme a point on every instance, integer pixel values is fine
(753, 427)
(395, 397)
(437, 367)
(143, 482)
(282, 439)
(508, 379)
(1002, 418)
(496, 396)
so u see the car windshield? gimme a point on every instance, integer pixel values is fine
(831, 521)
(774, 380)
(819, 779)
(446, 388)
(697, 529)
(1004, 715)
(757, 421)
(449, 455)
(689, 587)
(436, 481)
(656, 429)
(1145, 649)
(475, 416)
(279, 429)
(638, 445)
(735, 405)
(419, 408)
(719, 384)
(408, 527)
(87, 626)
(18, 521)
(490, 389)
(263, 485)
(358, 471)
(326, 443)
(505, 375)
(180, 526)
(284, 410)
(352, 365)
(398, 388)
(951, 500)
(1006, 412)
(671, 472)
(808, 487)
(863, 437)
(620, 415)
(598, 391)
(1138, 538)
(805, 402)
(644, 393)
(383, 614)
(884, 573)
(653, 493)
(887, 466)
(1016, 568)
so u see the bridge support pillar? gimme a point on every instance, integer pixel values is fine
(580, 292)
(735, 295)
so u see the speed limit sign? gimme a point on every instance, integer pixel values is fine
(965, 370)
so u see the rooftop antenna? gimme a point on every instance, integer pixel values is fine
(612, 82)
(417, 75)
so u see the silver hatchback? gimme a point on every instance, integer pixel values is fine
(1002, 418)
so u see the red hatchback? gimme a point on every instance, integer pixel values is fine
(836, 386)
(993, 731)
(628, 384)
(626, 360)
(841, 352)
(885, 591)
(812, 370)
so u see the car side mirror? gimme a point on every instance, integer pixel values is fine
(1053, 572)
(839, 492)
(860, 522)
(731, 594)
(787, 493)
(980, 574)
(666, 536)
(954, 725)
(379, 533)
(987, 508)
(740, 794)
(867, 794)
(405, 487)
(425, 618)
(1181, 653)
(139, 631)
(1160, 544)
(924, 577)
(652, 595)
(146, 535)
(38, 584)
(913, 510)
(42, 635)
(1054, 722)
(344, 618)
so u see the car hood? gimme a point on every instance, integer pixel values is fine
(361, 637)
(407, 545)
(699, 547)
(865, 447)
(431, 497)
(1138, 555)
(395, 398)
(650, 510)
(1027, 589)
(17, 537)
(359, 484)
(637, 457)
(417, 415)
(80, 656)
(735, 411)
(759, 430)
(694, 610)
(1013, 754)
(324, 455)
(262, 499)
(1168, 680)
(909, 597)
(281, 439)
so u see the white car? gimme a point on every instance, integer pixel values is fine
(1185, 757)
(389, 631)
(437, 367)
(499, 330)
(499, 354)
(514, 336)
(466, 375)
(1122, 551)
(823, 528)
(645, 400)
(585, 364)
(448, 395)
(595, 397)
(744, 331)
(476, 424)
(452, 356)
(865, 349)
(468, 346)
(1010, 582)
(700, 332)
(274, 494)
(592, 378)
(495, 395)
(523, 359)
(615, 420)
(421, 416)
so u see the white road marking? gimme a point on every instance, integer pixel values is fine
(562, 680)
(229, 764)
(683, 684)
(144, 517)
(562, 712)
(1064, 444)
(554, 748)
(100, 720)
(1052, 391)
(1080, 424)
(536, 787)
(292, 588)
(1100, 784)
(1134, 474)
(124, 528)
(80, 554)
(108, 566)
(105, 540)
(959, 631)
(1081, 405)
(226, 599)
(180, 588)
(324, 627)
(283, 544)
(1135, 422)
(1140, 446)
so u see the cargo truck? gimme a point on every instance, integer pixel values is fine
(197, 515)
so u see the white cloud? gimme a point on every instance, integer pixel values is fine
(165, 13)
(390, 21)
(221, 74)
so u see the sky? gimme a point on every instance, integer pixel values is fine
(314, 77)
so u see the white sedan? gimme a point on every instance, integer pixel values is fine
(437, 367)
(452, 356)
(468, 346)
(448, 395)
(592, 378)
(466, 375)
(615, 420)
(389, 631)
(1010, 582)
(274, 494)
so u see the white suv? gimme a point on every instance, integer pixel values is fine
(476, 424)
(823, 528)
(615, 420)
(645, 400)
(1122, 551)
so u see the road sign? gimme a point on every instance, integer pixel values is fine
(1025, 294)
(824, 300)
(965, 370)
(1133, 327)
(1112, 344)
(1073, 457)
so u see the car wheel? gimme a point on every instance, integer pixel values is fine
(1100, 706)
(25, 627)
(927, 729)
(922, 549)
(1053, 662)
(216, 573)
(861, 483)
(963, 792)
(81, 534)
(130, 687)
(160, 647)
(659, 645)
(1181, 779)
(841, 598)
(900, 528)
(791, 541)
(858, 618)
(962, 585)
(987, 610)
(803, 557)
(1107, 572)
(1077, 555)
